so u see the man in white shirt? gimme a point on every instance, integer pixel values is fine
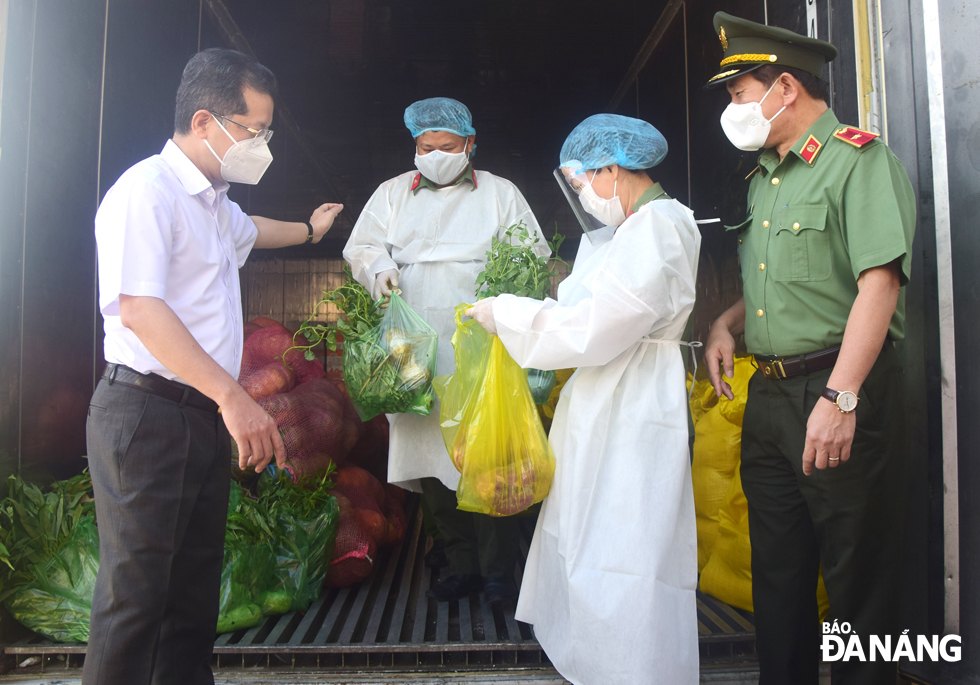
(170, 245)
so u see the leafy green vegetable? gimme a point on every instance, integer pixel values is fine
(277, 546)
(513, 267)
(361, 314)
(376, 386)
(49, 555)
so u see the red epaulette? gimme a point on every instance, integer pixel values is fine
(854, 136)
(416, 182)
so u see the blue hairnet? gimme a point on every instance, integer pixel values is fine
(439, 114)
(605, 139)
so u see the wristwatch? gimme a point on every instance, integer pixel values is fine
(845, 400)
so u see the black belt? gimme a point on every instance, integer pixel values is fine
(158, 385)
(778, 368)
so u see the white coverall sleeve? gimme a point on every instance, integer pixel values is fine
(368, 251)
(644, 281)
(512, 208)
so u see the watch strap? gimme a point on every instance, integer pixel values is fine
(309, 227)
(829, 394)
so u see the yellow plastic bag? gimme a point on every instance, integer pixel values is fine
(491, 426)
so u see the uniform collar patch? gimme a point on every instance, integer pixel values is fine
(810, 150)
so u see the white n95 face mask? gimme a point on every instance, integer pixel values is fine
(245, 161)
(609, 212)
(442, 167)
(745, 125)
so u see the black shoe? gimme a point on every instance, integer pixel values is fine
(436, 557)
(499, 590)
(454, 587)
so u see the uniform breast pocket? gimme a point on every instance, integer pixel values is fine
(800, 249)
(740, 230)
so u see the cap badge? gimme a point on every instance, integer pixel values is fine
(723, 38)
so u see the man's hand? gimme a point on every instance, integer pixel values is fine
(385, 282)
(482, 313)
(720, 353)
(829, 434)
(323, 217)
(254, 431)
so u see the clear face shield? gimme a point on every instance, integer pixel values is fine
(572, 179)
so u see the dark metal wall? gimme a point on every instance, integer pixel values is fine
(63, 145)
(961, 75)
(48, 192)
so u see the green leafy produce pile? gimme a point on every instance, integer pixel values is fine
(513, 267)
(389, 350)
(277, 548)
(49, 556)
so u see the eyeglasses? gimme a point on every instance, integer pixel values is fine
(265, 133)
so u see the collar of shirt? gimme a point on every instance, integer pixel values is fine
(654, 192)
(468, 175)
(190, 177)
(815, 137)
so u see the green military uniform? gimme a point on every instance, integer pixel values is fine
(837, 204)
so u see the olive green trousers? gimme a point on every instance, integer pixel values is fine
(846, 520)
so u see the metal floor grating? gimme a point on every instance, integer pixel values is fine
(387, 622)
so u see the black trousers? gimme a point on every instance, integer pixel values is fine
(161, 480)
(846, 520)
(476, 544)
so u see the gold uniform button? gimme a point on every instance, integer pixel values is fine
(775, 181)
(765, 224)
(796, 226)
(759, 313)
(762, 267)
(739, 241)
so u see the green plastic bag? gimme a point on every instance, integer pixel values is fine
(57, 601)
(303, 550)
(389, 370)
(541, 384)
(247, 573)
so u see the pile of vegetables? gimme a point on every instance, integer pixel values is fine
(49, 556)
(277, 548)
(389, 350)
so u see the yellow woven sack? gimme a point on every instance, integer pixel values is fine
(491, 426)
(724, 547)
(717, 445)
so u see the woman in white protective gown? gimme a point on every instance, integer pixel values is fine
(610, 579)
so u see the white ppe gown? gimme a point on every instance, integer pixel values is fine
(438, 240)
(610, 578)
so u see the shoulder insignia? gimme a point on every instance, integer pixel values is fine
(752, 173)
(854, 136)
(416, 182)
(810, 150)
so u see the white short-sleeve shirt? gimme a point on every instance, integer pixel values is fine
(164, 231)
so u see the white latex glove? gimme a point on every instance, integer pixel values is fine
(482, 311)
(385, 282)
